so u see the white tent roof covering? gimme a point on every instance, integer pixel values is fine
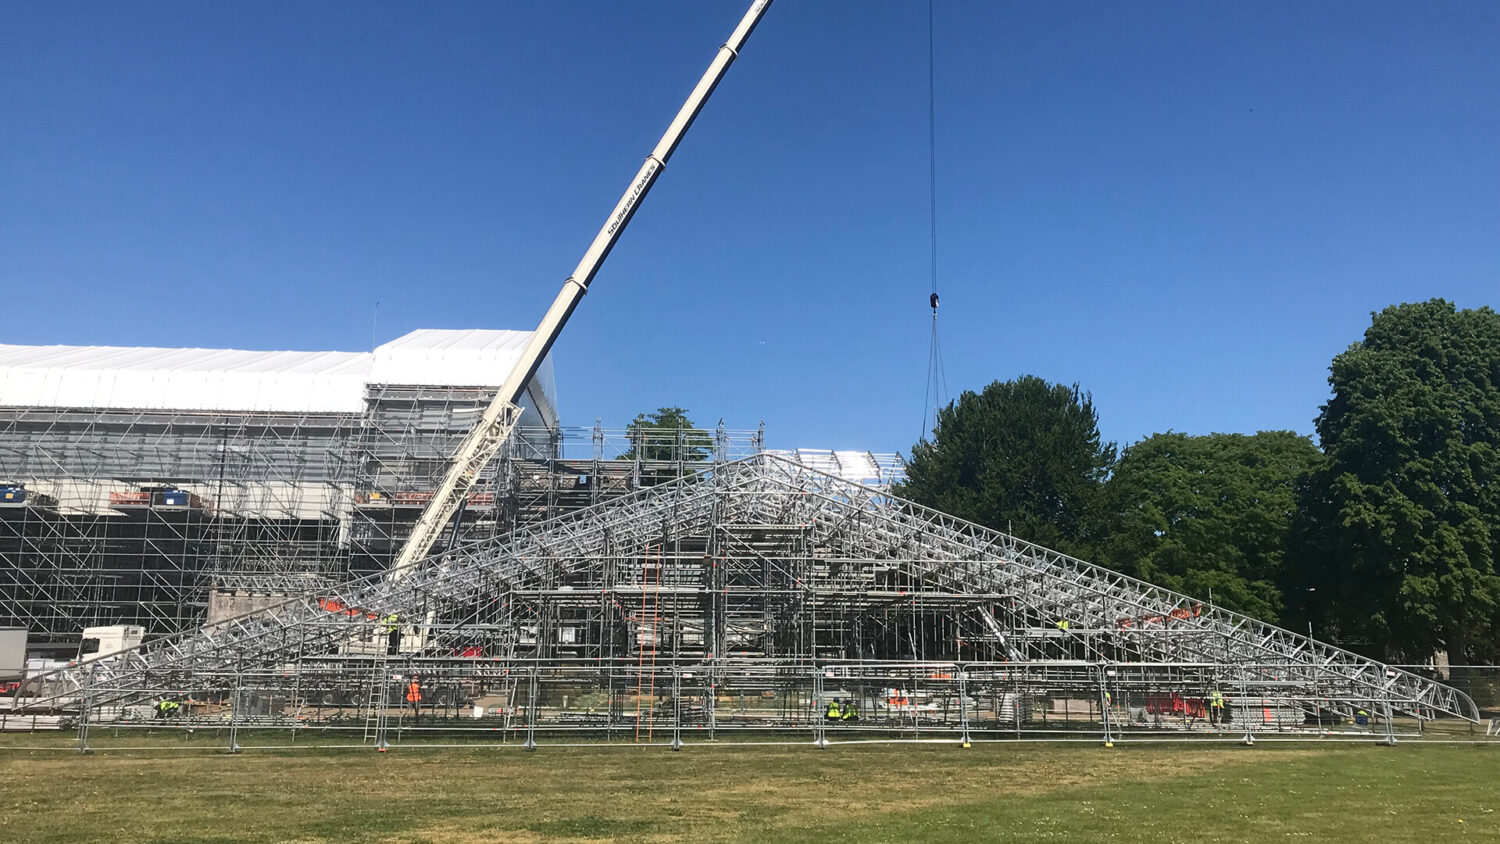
(472, 357)
(235, 380)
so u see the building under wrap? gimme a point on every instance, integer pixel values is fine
(137, 484)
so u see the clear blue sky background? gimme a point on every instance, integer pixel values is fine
(1187, 208)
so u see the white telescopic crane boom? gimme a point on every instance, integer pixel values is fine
(500, 418)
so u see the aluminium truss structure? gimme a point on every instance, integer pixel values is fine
(749, 597)
(168, 519)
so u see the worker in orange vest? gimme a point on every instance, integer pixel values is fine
(414, 696)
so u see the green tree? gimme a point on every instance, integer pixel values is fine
(1022, 455)
(1401, 527)
(667, 435)
(1208, 516)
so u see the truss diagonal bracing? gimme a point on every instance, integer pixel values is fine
(763, 567)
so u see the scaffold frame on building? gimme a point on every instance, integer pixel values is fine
(168, 519)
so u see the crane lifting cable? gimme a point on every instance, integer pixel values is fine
(935, 397)
(936, 393)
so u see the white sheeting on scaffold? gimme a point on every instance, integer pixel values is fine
(145, 378)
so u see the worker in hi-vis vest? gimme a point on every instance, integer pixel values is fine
(834, 712)
(850, 712)
(392, 624)
(414, 696)
(1216, 707)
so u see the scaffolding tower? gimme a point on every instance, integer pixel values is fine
(170, 519)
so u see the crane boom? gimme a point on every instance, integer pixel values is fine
(500, 418)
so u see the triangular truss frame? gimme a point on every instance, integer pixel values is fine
(766, 562)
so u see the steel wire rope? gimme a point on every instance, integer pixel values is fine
(936, 388)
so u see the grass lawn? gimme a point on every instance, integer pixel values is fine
(993, 792)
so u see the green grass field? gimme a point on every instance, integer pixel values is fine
(993, 792)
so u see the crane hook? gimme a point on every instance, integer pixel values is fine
(933, 300)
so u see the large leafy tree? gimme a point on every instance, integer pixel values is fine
(1208, 516)
(1022, 455)
(1402, 526)
(667, 435)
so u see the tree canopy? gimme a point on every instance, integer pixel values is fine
(667, 435)
(1208, 516)
(1386, 538)
(1022, 455)
(1400, 529)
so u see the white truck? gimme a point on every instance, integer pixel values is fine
(12, 652)
(104, 642)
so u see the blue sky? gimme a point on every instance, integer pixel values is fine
(1187, 208)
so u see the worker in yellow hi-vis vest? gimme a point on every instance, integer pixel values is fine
(392, 624)
(850, 712)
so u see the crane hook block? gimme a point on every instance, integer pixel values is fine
(933, 300)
